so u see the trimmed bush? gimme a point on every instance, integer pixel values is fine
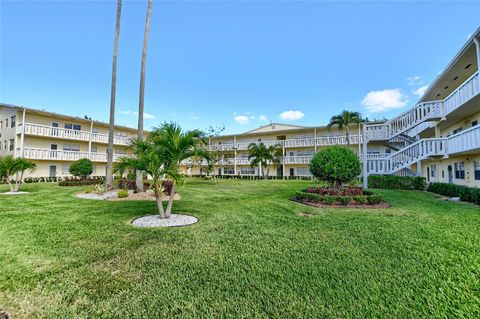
(71, 181)
(335, 165)
(397, 182)
(368, 197)
(122, 193)
(345, 200)
(81, 168)
(466, 194)
(131, 184)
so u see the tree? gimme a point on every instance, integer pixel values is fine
(344, 120)
(12, 170)
(161, 153)
(142, 86)
(81, 168)
(262, 156)
(111, 127)
(215, 155)
(335, 165)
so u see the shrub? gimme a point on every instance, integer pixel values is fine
(167, 185)
(345, 200)
(99, 188)
(329, 200)
(360, 200)
(81, 168)
(344, 191)
(466, 194)
(335, 165)
(122, 193)
(397, 182)
(71, 181)
(131, 184)
(374, 199)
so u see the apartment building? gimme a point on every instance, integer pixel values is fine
(444, 126)
(53, 141)
(298, 144)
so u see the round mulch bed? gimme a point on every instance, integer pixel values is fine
(175, 220)
(14, 193)
(321, 205)
(112, 196)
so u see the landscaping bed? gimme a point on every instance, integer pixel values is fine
(113, 196)
(345, 197)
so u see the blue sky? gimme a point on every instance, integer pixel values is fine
(238, 64)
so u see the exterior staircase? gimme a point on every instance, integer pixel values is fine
(398, 132)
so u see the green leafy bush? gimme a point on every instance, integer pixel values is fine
(466, 194)
(345, 200)
(122, 193)
(99, 188)
(361, 199)
(397, 182)
(374, 199)
(335, 165)
(329, 200)
(81, 168)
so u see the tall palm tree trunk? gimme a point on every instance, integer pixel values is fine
(109, 178)
(168, 213)
(139, 180)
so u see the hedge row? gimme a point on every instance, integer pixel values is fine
(73, 181)
(466, 194)
(250, 177)
(397, 182)
(368, 198)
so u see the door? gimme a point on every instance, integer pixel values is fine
(280, 170)
(53, 151)
(428, 174)
(53, 171)
(219, 171)
(450, 174)
(54, 129)
(292, 172)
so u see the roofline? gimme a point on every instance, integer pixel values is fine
(77, 118)
(450, 65)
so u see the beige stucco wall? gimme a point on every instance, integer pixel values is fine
(442, 169)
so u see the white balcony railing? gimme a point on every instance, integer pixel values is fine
(62, 133)
(464, 141)
(59, 155)
(291, 143)
(425, 111)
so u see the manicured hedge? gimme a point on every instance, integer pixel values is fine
(368, 197)
(397, 182)
(81, 182)
(466, 194)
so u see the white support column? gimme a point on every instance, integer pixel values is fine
(359, 141)
(22, 136)
(90, 140)
(477, 44)
(235, 156)
(419, 168)
(283, 160)
(315, 139)
(365, 164)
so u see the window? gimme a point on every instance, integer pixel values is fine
(247, 171)
(476, 169)
(5, 145)
(459, 170)
(94, 149)
(65, 169)
(71, 147)
(230, 171)
(458, 130)
(12, 144)
(474, 123)
(13, 121)
(119, 151)
(1, 125)
(388, 151)
(75, 127)
(303, 171)
(6, 123)
(433, 170)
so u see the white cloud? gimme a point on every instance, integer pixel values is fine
(194, 116)
(262, 118)
(291, 115)
(421, 90)
(241, 119)
(414, 80)
(146, 116)
(383, 100)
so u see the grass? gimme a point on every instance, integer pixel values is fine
(253, 254)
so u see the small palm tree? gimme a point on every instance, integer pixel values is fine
(262, 156)
(12, 170)
(344, 120)
(161, 153)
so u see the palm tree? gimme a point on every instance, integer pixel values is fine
(344, 120)
(262, 156)
(142, 86)
(161, 153)
(109, 179)
(10, 167)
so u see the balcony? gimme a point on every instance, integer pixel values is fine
(291, 143)
(62, 133)
(426, 111)
(59, 155)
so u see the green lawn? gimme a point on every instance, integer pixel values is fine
(250, 256)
